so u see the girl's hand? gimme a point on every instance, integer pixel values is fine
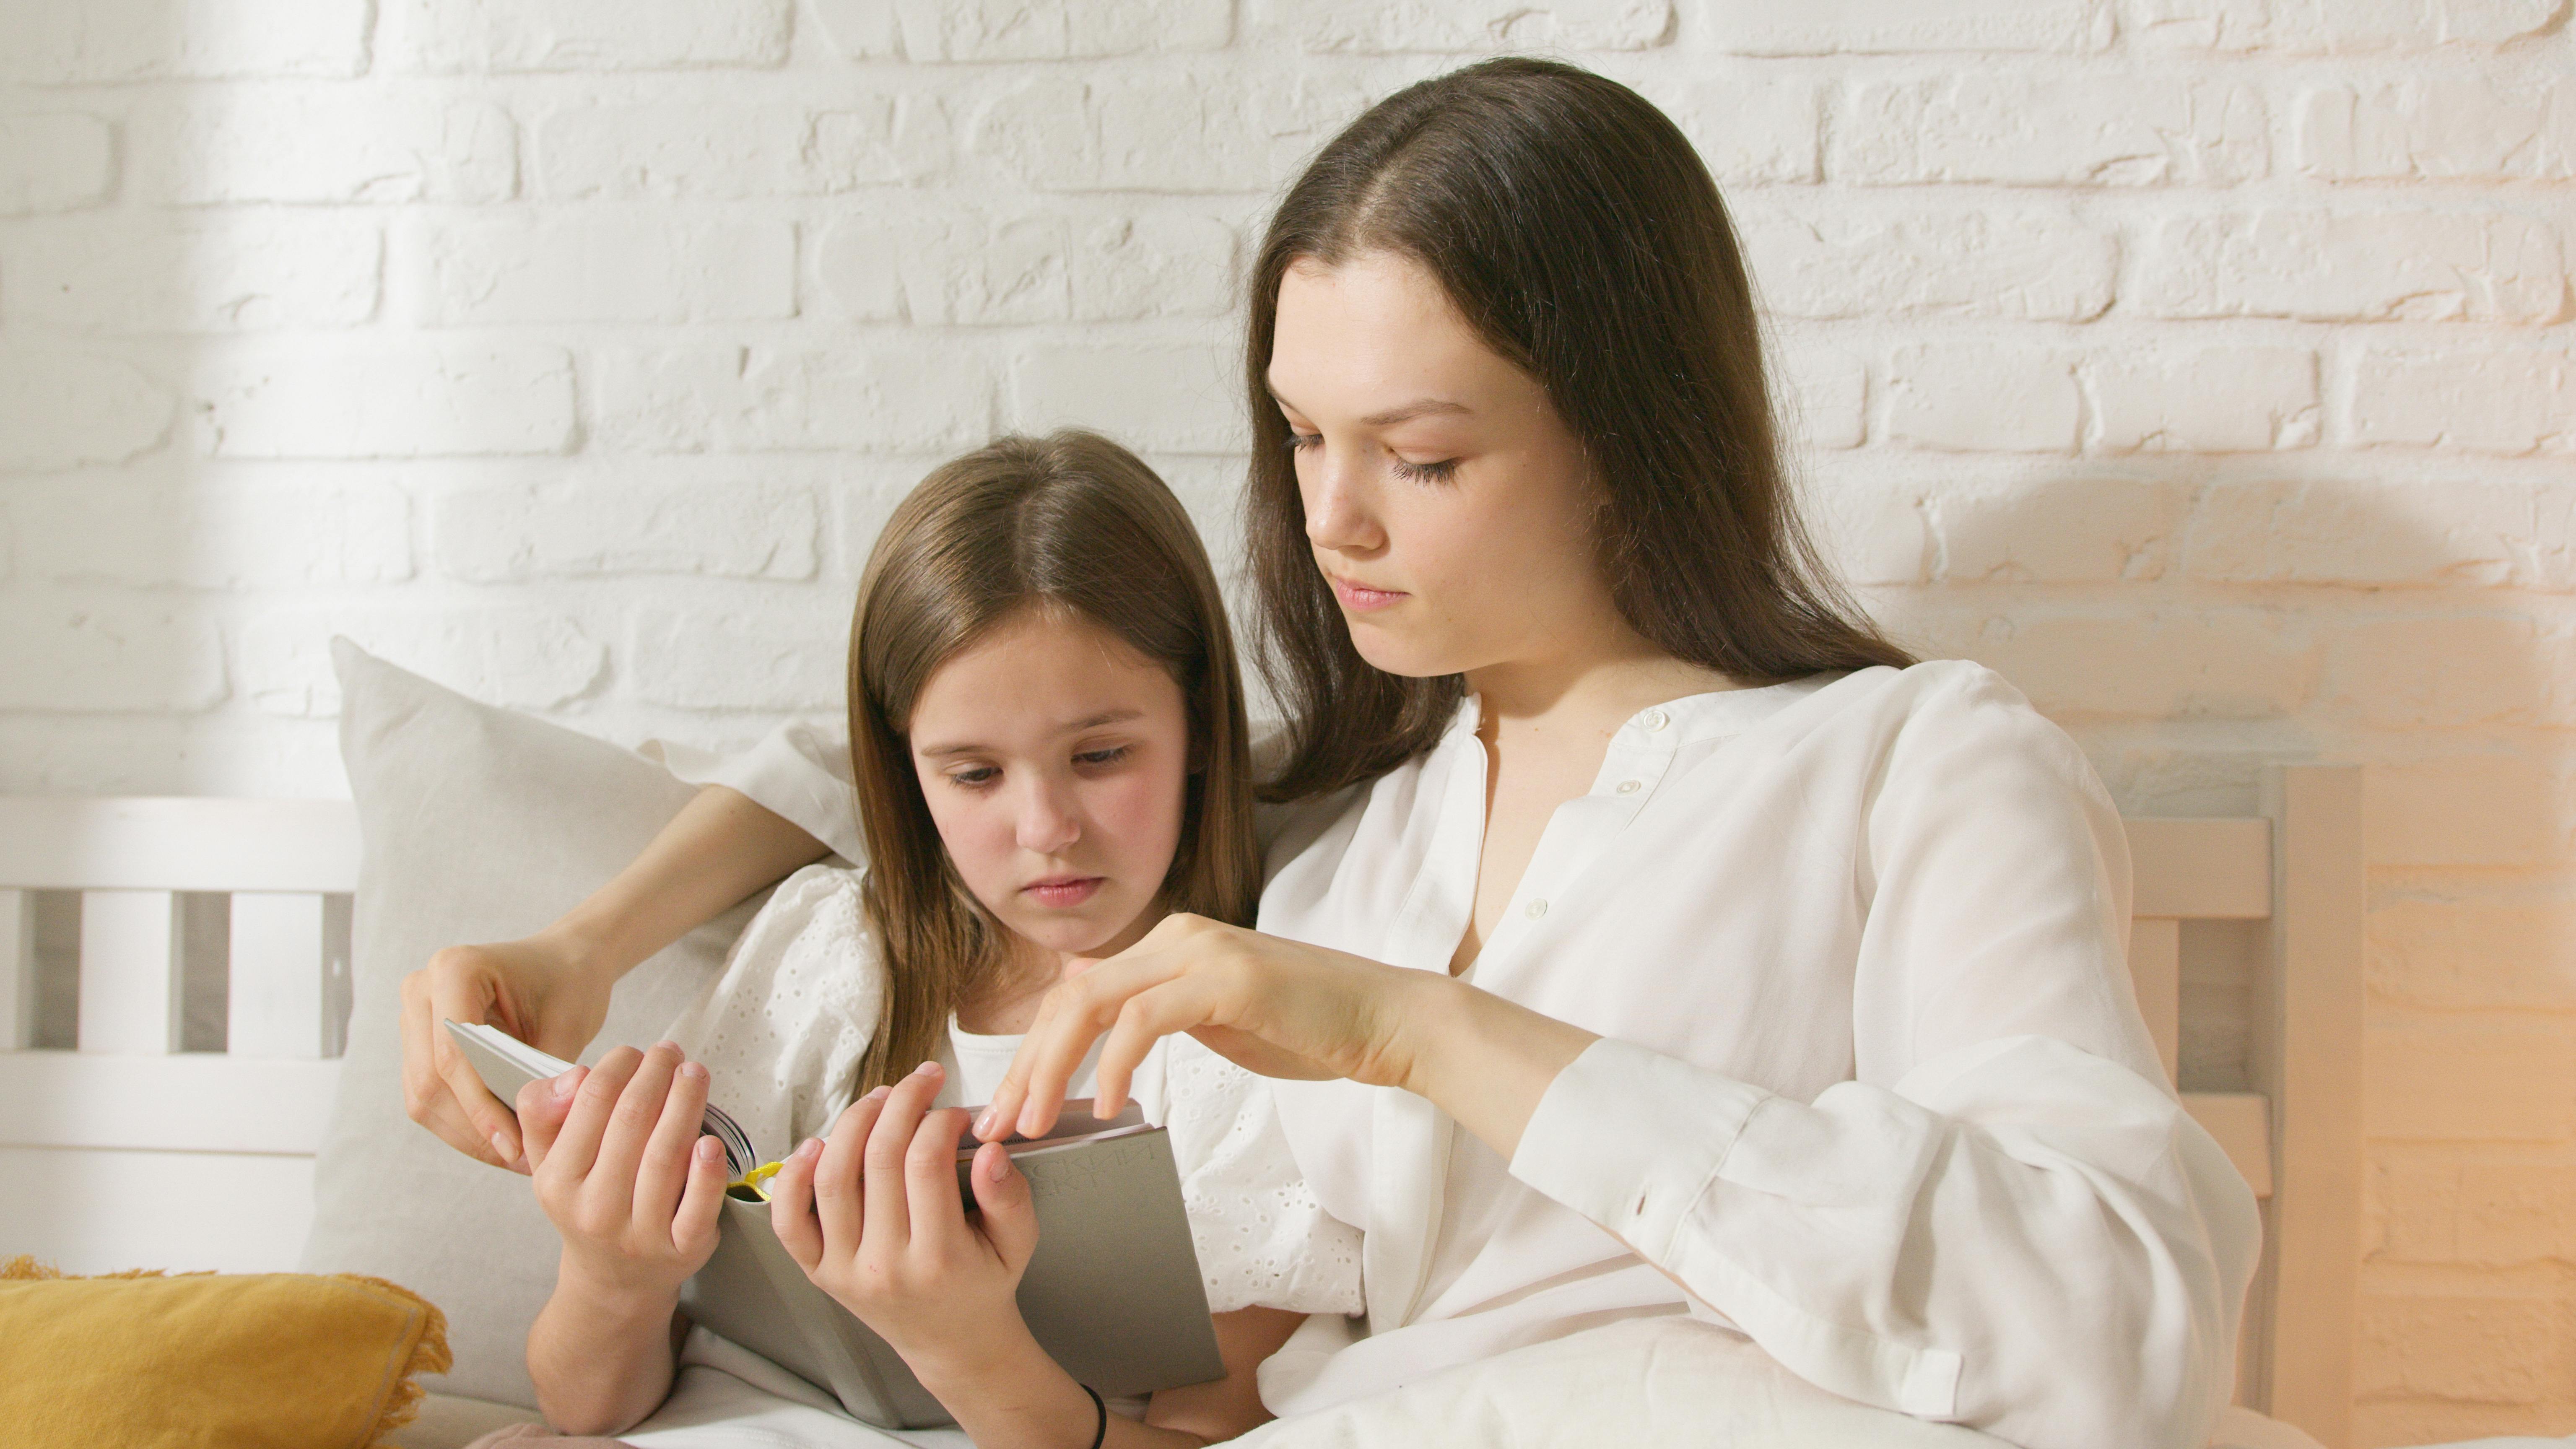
(1278, 1007)
(874, 1219)
(623, 1172)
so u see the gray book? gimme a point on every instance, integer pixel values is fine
(1112, 1293)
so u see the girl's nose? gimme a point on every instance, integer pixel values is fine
(1047, 823)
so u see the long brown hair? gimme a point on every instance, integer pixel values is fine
(1575, 229)
(1071, 521)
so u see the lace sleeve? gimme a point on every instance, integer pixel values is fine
(1261, 1236)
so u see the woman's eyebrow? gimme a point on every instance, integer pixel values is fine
(1418, 408)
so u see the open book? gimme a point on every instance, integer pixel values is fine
(1112, 1293)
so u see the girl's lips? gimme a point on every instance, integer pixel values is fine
(1362, 598)
(1063, 893)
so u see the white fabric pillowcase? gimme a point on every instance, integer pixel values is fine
(479, 824)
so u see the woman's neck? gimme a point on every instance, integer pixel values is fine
(1586, 687)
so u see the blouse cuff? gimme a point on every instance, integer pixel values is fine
(1631, 1138)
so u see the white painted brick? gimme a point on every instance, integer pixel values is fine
(54, 163)
(2085, 531)
(1180, 397)
(2088, 131)
(383, 400)
(1970, 398)
(2474, 810)
(60, 407)
(126, 40)
(2365, 267)
(948, 269)
(2219, 663)
(2441, 127)
(327, 144)
(602, 529)
(765, 659)
(1842, 262)
(2306, 27)
(724, 152)
(230, 535)
(1822, 394)
(1749, 132)
(1825, 27)
(582, 35)
(1176, 133)
(234, 272)
(60, 655)
(1005, 30)
(2480, 400)
(2447, 672)
(898, 396)
(2510, 952)
(516, 656)
(2383, 535)
(2464, 1350)
(1871, 535)
(1152, 264)
(2231, 400)
(1377, 27)
(616, 266)
(2483, 1078)
(860, 29)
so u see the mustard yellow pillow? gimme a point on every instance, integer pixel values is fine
(244, 1361)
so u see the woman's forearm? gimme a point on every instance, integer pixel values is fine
(1483, 1060)
(601, 1357)
(720, 848)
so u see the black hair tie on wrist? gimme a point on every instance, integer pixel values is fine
(1099, 1435)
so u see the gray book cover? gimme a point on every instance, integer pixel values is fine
(1112, 1293)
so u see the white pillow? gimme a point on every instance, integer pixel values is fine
(478, 824)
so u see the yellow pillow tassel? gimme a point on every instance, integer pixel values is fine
(148, 1359)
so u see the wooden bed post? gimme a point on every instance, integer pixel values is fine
(2307, 1059)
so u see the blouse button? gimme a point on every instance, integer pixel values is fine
(1630, 787)
(1654, 719)
(1534, 909)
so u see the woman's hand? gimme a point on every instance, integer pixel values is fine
(874, 1218)
(538, 990)
(1278, 1007)
(625, 1174)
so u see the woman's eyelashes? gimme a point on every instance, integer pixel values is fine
(1439, 472)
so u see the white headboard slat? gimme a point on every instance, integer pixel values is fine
(185, 1102)
(68, 842)
(2201, 869)
(275, 1006)
(129, 972)
(17, 970)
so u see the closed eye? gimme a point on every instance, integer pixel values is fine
(1097, 758)
(1440, 472)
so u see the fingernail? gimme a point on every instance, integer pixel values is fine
(709, 1149)
(694, 1071)
(925, 1069)
(811, 1147)
(876, 1094)
(984, 1123)
(566, 1080)
(661, 1045)
(502, 1149)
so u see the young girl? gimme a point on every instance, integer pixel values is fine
(1048, 741)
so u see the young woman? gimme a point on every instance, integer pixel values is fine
(1652, 938)
(1048, 739)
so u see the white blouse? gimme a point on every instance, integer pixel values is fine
(1873, 1088)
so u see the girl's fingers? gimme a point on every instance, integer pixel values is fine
(693, 1225)
(889, 1216)
(543, 1107)
(577, 1145)
(638, 1112)
(791, 1205)
(838, 1197)
(1010, 1217)
(664, 1172)
(930, 1177)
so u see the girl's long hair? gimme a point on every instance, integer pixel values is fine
(1575, 229)
(1069, 522)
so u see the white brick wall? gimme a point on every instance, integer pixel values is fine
(2207, 365)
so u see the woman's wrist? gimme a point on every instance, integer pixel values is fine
(1485, 1061)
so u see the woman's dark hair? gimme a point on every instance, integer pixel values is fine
(1072, 523)
(1578, 233)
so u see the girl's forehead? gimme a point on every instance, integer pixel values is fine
(1040, 673)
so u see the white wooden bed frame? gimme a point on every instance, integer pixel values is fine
(127, 1151)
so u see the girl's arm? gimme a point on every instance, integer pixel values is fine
(626, 1177)
(874, 1218)
(551, 989)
